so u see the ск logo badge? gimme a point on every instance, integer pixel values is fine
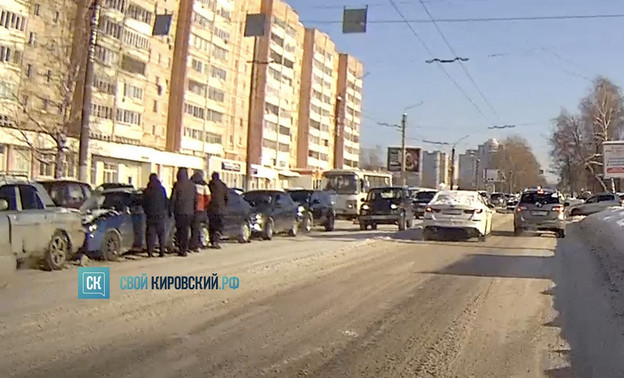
(93, 283)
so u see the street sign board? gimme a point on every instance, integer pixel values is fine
(613, 159)
(494, 175)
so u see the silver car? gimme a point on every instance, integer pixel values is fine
(540, 210)
(596, 204)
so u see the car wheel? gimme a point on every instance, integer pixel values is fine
(111, 248)
(483, 237)
(402, 223)
(575, 212)
(293, 229)
(245, 233)
(204, 236)
(308, 222)
(331, 222)
(363, 226)
(374, 226)
(560, 234)
(58, 251)
(267, 234)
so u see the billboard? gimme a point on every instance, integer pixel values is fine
(613, 159)
(412, 159)
(494, 175)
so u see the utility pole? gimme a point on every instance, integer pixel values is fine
(452, 167)
(252, 90)
(477, 162)
(85, 127)
(403, 149)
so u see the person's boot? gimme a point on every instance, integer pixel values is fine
(150, 254)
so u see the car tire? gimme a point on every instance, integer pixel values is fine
(331, 222)
(363, 226)
(267, 233)
(111, 247)
(483, 237)
(293, 229)
(58, 251)
(373, 226)
(307, 223)
(244, 235)
(402, 222)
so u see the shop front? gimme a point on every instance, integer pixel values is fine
(232, 172)
(263, 178)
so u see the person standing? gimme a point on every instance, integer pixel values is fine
(183, 205)
(203, 199)
(155, 205)
(216, 209)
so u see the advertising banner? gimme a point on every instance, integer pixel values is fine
(412, 159)
(613, 159)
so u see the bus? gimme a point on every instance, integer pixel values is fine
(350, 188)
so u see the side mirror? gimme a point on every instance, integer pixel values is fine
(4, 205)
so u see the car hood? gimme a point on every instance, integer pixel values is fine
(96, 214)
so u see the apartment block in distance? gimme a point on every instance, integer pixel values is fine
(14, 16)
(273, 127)
(347, 142)
(319, 81)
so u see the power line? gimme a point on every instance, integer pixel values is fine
(426, 47)
(461, 63)
(482, 20)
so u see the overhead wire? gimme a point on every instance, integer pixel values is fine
(430, 52)
(481, 19)
(460, 61)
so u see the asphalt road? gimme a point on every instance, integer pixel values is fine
(347, 303)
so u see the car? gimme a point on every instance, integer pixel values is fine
(458, 210)
(114, 223)
(66, 192)
(595, 204)
(386, 205)
(420, 200)
(32, 226)
(273, 212)
(540, 210)
(318, 208)
(237, 221)
(498, 199)
(113, 185)
(512, 202)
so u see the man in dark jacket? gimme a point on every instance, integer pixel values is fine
(155, 206)
(216, 209)
(183, 205)
(203, 198)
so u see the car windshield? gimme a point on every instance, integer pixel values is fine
(541, 198)
(496, 196)
(111, 200)
(384, 194)
(258, 198)
(341, 184)
(425, 196)
(300, 196)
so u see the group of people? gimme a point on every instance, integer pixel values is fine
(192, 203)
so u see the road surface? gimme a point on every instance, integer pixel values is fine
(347, 303)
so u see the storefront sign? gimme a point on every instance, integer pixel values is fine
(230, 166)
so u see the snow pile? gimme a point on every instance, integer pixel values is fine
(607, 225)
(456, 198)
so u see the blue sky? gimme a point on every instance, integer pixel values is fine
(538, 68)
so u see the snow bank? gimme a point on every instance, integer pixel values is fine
(607, 226)
(456, 198)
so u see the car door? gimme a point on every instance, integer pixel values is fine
(279, 211)
(590, 206)
(139, 224)
(31, 220)
(10, 194)
(605, 201)
(317, 207)
(232, 216)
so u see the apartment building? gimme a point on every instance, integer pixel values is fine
(319, 89)
(14, 15)
(272, 146)
(435, 169)
(347, 140)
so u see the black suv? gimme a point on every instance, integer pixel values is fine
(273, 211)
(420, 200)
(387, 205)
(318, 208)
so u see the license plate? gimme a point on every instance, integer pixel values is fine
(540, 213)
(452, 212)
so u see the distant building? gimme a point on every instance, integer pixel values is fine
(467, 166)
(474, 162)
(435, 169)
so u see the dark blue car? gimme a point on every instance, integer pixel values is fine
(114, 223)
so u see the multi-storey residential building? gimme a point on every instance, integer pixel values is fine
(272, 141)
(14, 15)
(435, 169)
(467, 170)
(350, 81)
(319, 80)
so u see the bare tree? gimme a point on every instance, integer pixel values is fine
(46, 115)
(517, 161)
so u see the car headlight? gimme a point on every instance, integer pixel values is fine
(300, 210)
(394, 207)
(257, 218)
(92, 227)
(365, 207)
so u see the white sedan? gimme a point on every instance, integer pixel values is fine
(458, 210)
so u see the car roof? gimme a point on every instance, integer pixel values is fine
(120, 190)
(62, 180)
(266, 191)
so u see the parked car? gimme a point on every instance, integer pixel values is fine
(498, 199)
(114, 185)
(273, 212)
(237, 220)
(387, 205)
(114, 223)
(512, 202)
(34, 227)
(540, 210)
(467, 211)
(318, 208)
(420, 200)
(66, 192)
(595, 204)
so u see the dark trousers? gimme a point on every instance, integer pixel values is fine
(183, 228)
(155, 228)
(199, 219)
(215, 227)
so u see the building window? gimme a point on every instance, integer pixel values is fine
(138, 13)
(110, 172)
(213, 138)
(277, 39)
(224, 13)
(271, 109)
(7, 90)
(117, 5)
(195, 111)
(46, 165)
(10, 20)
(106, 56)
(49, 76)
(132, 65)
(202, 21)
(36, 9)
(214, 116)
(283, 130)
(199, 42)
(111, 28)
(101, 111)
(103, 85)
(133, 91)
(31, 39)
(216, 94)
(197, 65)
(270, 126)
(288, 63)
(135, 40)
(128, 116)
(218, 73)
(219, 53)
(193, 133)
(197, 88)
(8, 55)
(155, 107)
(266, 143)
(222, 34)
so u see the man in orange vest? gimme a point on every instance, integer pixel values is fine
(201, 217)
